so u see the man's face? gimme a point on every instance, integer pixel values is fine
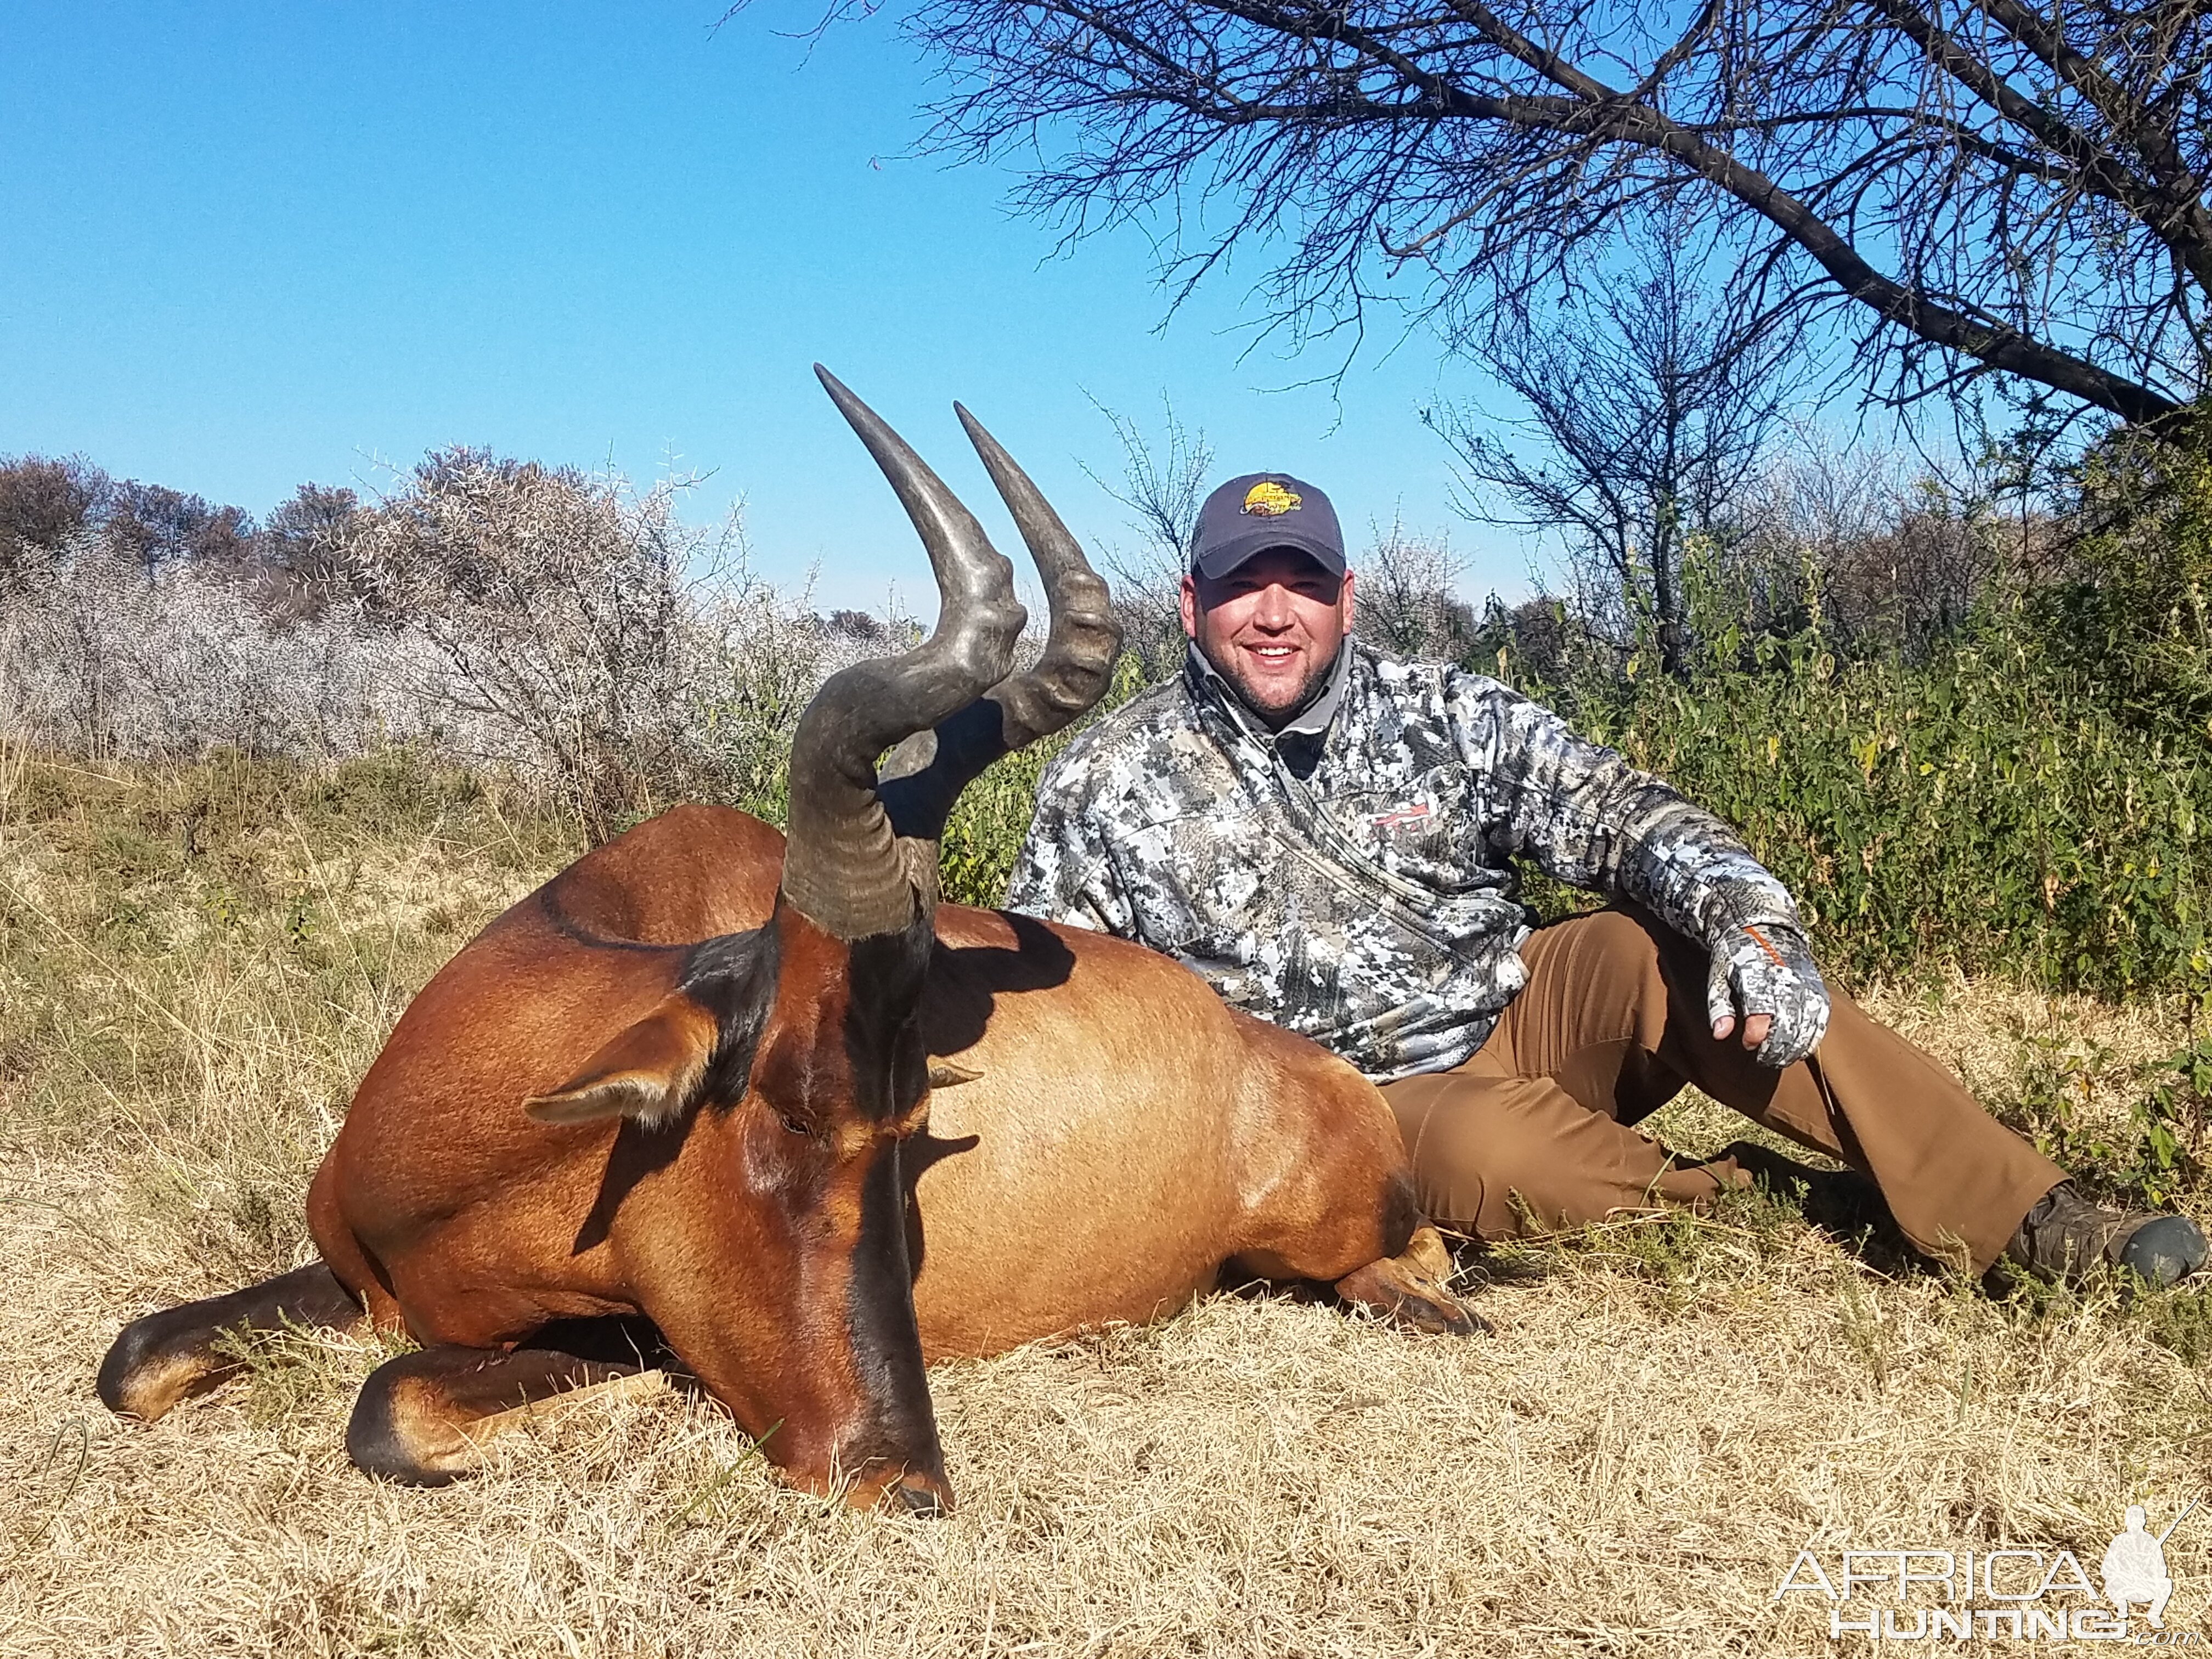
(1271, 628)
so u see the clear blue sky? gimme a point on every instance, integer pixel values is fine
(248, 243)
(247, 246)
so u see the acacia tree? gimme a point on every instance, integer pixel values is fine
(1408, 597)
(301, 548)
(155, 527)
(1650, 410)
(45, 504)
(556, 603)
(1975, 185)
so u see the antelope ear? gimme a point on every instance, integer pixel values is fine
(650, 1071)
(943, 1074)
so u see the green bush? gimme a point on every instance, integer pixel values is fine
(2133, 624)
(985, 829)
(1977, 809)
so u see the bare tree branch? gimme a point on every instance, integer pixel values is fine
(1652, 410)
(1972, 184)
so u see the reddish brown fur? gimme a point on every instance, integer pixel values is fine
(469, 1223)
(1133, 1137)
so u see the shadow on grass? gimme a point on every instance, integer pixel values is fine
(1680, 1250)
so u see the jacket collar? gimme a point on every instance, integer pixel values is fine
(1207, 684)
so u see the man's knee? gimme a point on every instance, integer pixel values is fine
(1620, 936)
(1458, 1140)
(1597, 940)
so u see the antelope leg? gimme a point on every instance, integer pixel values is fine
(1410, 1288)
(424, 1417)
(168, 1357)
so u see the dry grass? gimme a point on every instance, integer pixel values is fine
(1667, 1411)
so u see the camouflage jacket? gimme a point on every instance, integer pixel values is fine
(1349, 878)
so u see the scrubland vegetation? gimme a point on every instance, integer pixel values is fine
(258, 779)
(255, 787)
(561, 628)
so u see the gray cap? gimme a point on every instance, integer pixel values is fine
(1262, 510)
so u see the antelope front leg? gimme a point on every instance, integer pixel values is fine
(423, 1419)
(171, 1356)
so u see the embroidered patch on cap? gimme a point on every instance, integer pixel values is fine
(1269, 499)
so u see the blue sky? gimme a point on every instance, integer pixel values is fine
(247, 246)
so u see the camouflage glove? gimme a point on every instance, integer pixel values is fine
(1766, 968)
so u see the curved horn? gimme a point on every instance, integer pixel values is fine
(925, 776)
(842, 867)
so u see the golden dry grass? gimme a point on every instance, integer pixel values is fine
(1668, 1412)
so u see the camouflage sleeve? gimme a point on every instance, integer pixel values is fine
(1062, 872)
(1591, 819)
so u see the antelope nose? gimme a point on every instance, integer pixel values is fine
(919, 1495)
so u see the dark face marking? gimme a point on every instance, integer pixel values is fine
(821, 1055)
(889, 1069)
(880, 1320)
(883, 1042)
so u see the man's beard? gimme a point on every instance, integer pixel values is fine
(1309, 690)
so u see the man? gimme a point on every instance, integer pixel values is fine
(1324, 835)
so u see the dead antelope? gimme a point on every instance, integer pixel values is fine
(705, 1076)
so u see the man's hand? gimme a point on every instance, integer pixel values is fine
(1764, 970)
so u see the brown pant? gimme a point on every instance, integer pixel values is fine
(1534, 1130)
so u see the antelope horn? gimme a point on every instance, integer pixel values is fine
(923, 779)
(843, 867)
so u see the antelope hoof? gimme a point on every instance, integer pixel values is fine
(144, 1376)
(1407, 1290)
(173, 1355)
(399, 1431)
(919, 1498)
(1432, 1309)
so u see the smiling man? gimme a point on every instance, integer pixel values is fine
(1326, 836)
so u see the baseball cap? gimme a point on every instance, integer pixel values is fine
(1260, 510)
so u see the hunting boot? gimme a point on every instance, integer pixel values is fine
(2065, 1234)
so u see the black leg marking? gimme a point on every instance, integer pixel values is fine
(421, 1418)
(171, 1356)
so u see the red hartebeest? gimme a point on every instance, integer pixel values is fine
(705, 1076)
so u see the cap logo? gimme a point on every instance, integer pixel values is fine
(1269, 499)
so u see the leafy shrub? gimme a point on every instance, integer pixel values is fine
(2135, 624)
(1977, 809)
(984, 835)
(2148, 1159)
